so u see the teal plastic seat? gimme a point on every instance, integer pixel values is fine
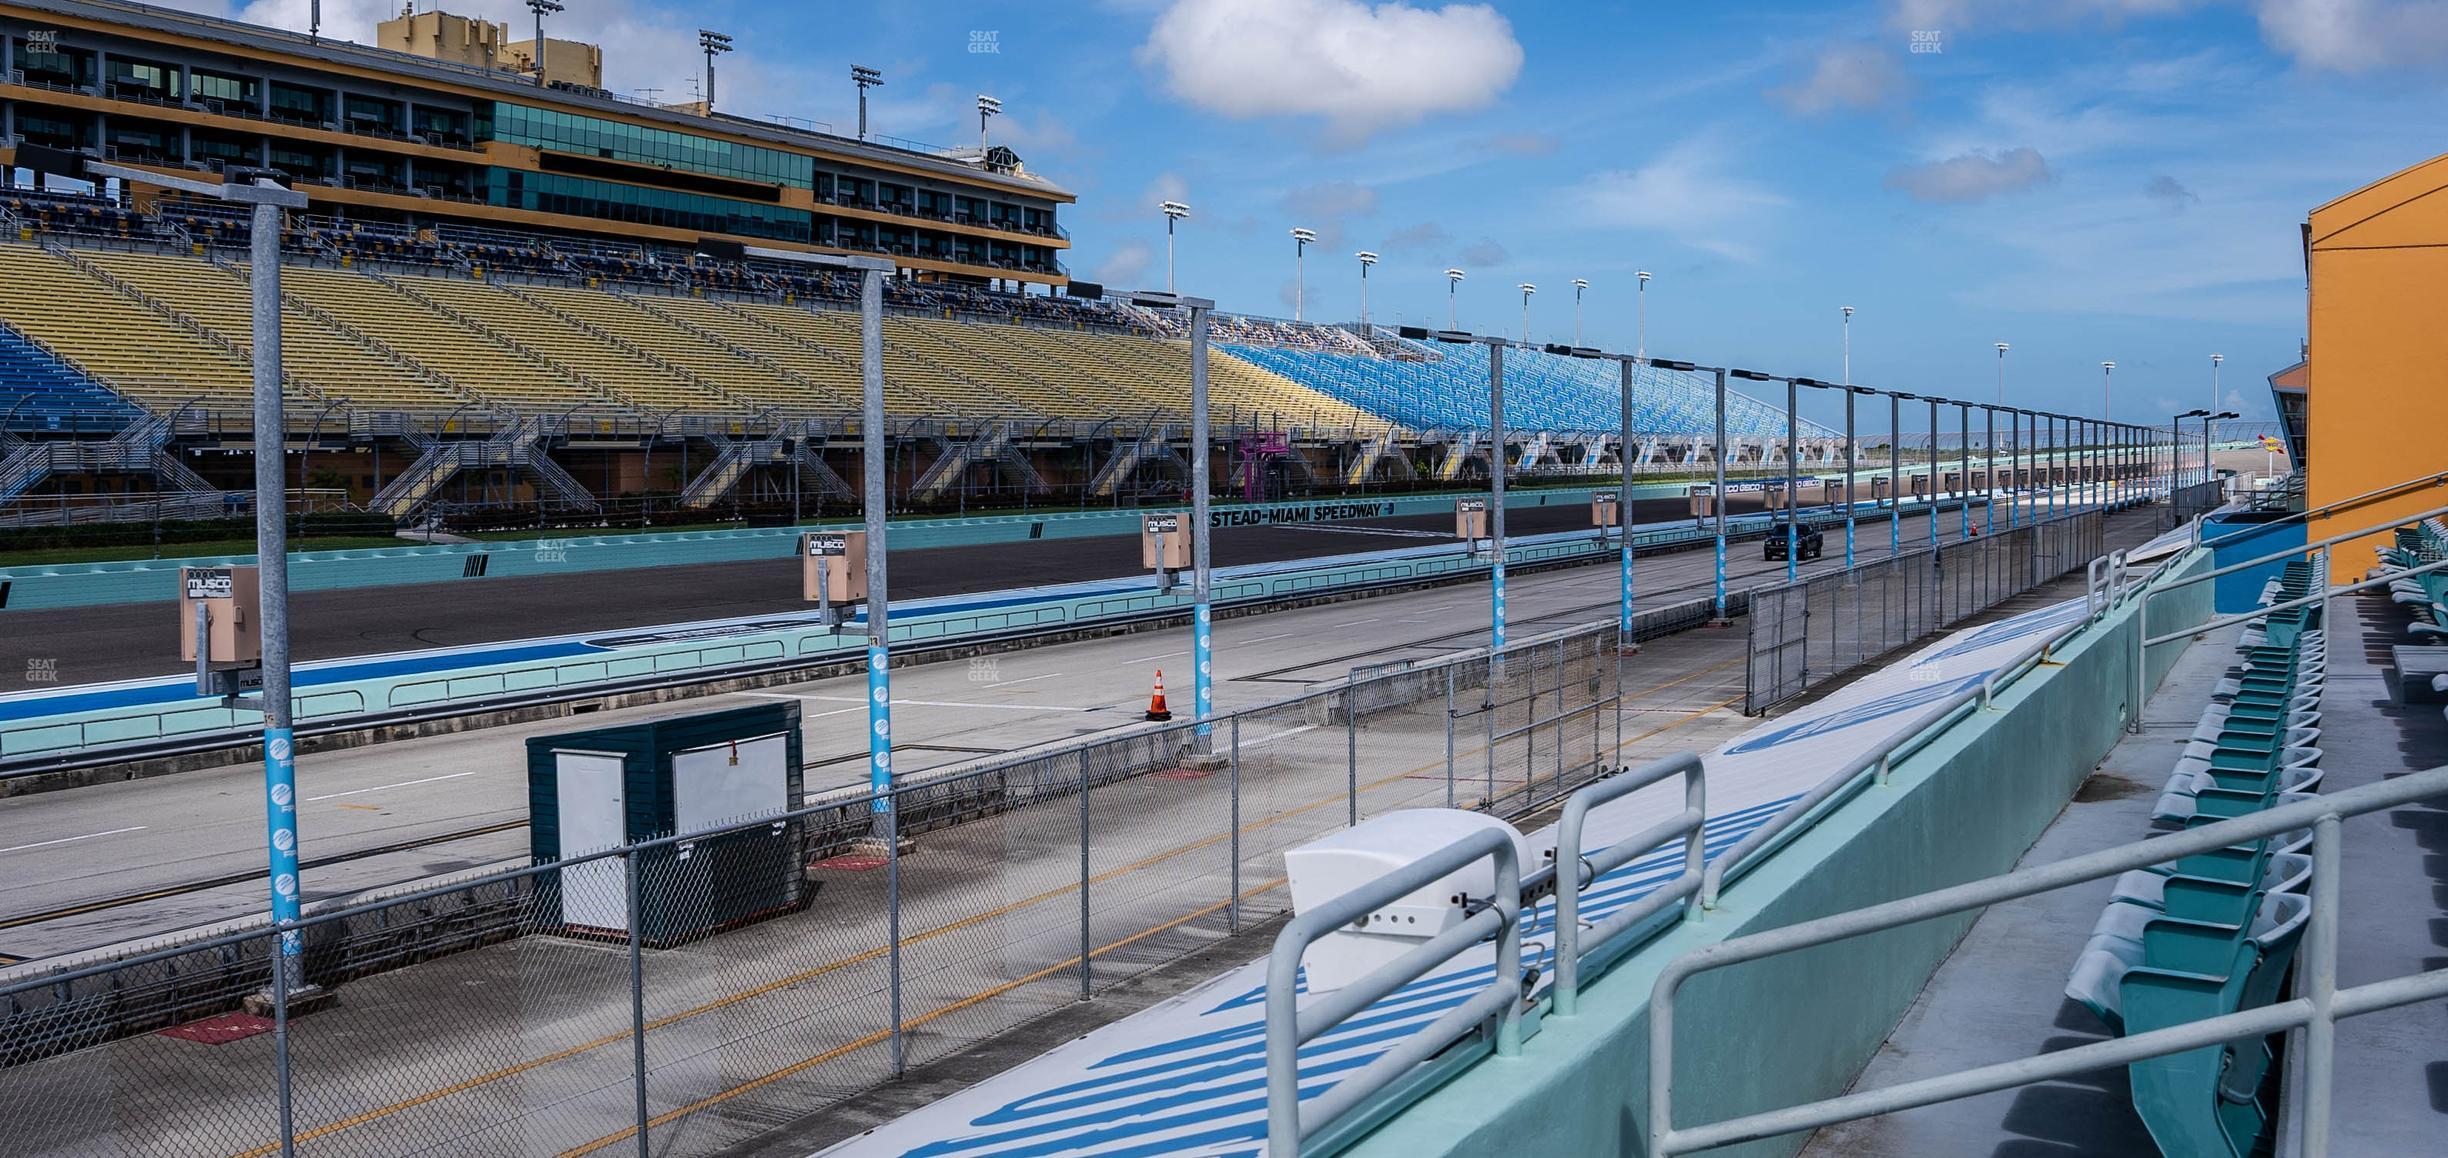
(2207, 1102)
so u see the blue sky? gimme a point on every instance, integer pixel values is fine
(2085, 179)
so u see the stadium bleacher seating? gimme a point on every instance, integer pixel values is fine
(389, 318)
(40, 392)
(1444, 386)
(2216, 933)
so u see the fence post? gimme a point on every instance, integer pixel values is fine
(1449, 736)
(1232, 906)
(280, 1040)
(1351, 750)
(1083, 890)
(637, 994)
(892, 926)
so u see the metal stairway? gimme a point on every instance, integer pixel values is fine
(1155, 444)
(142, 448)
(996, 443)
(520, 447)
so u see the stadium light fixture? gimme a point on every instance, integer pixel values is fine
(1453, 277)
(1580, 285)
(1302, 239)
(713, 44)
(1367, 259)
(1640, 348)
(865, 78)
(1173, 211)
(1526, 290)
(1848, 342)
(987, 107)
(540, 7)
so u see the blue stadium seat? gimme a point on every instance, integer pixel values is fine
(41, 393)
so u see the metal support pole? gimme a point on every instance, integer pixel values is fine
(1623, 516)
(1848, 486)
(1793, 484)
(1717, 500)
(1496, 499)
(1989, 470)
(1933, 475)
(272, 569)
(1351, 753)
(1232, 906)
(637, 999)
(2321, 963)
(1084, 923)
(1895, 476)
(1963, 470)
(1202, 667)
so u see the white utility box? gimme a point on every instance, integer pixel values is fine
(1327, 868)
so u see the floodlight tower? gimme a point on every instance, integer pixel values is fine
(1579, 285)
(1848, 344)
(540, 7)
(713, 44)
(1367, 259)
(1453, 277)
(1640, 347)
(1173, 211)
(1526, 290)
(865, 78)
(1302, 239)
(987, 107)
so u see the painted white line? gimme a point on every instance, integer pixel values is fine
(70, 839)
(388, 787)
(1153, 658)
(1266, 638)
(1022, 680)
(900, 703)
(1286, 734)
(1355, 622)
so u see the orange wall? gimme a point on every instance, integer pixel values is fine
(2378, 397)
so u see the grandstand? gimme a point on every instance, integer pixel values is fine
(419, 337)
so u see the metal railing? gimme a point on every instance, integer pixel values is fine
(1588, 868)
(1288, 1026)
(1804, 633)
(1039, 879)
(2317, 1012)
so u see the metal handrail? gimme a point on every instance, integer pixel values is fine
(1690, 824)
(1288, 1027)
(2416, 483)
(2320, 596)
(2316, 1013)
(2290, 553)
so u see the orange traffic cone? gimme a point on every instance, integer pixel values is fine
(1156, 702)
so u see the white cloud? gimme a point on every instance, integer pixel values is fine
(1973, 176)
(1127, 265)
(1359, 66)
(2171, 192)
(2357, 35)
(1685, 191)
(1329, 200)
(1846, 76)
(1487, 251)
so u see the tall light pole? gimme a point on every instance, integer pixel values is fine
(1579, 285)
(1933, 471)
(1367, 259)
(714, 44)
(1173, 211)
(1526, 290)
(1895, 473)
(865, 78)
(1453, 278)
(2215, 359)
(540, 7)
(1850, 392)
(1302, 239)
(1641, 347)
(1963, 470)
(1848, 343)
(988, 108)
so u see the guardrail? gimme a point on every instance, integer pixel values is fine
(2317, 1012)
(1288, 1027)
(1688, 824)
(38, 745)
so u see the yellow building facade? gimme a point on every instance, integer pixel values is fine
(2376, 397)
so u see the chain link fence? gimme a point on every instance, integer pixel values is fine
(2194, 500)
(1805, 633)
(692, 994)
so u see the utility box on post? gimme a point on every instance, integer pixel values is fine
(232, 598)
(1470, 519)
(833, 566)
(1605, 511)
(1703, 501)
(1164, 542)
(608, 787)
